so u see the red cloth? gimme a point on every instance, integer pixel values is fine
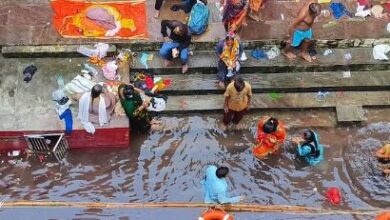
(363, 2)
(333, 195)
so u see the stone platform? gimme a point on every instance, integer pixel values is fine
(28, 22)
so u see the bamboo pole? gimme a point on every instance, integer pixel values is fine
(228, 208)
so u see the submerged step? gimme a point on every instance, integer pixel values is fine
(350, 113)
(355, 59)
(186, 84)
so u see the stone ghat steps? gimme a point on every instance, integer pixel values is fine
(348, 105)
(205, 62)
(203, 84)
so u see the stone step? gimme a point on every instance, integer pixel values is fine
(187, 84)
(47, 51)
(261, 101)
(206, 62)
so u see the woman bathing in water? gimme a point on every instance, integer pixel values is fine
(300, 32)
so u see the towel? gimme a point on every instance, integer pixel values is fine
(83, 115)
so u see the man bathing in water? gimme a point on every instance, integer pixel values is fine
(300, 32)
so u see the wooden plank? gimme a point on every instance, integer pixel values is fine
(350, 113)
(291, 82)
(206, 62)
(199, 103)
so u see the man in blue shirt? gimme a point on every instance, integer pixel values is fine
(309, 147)
(215, 186)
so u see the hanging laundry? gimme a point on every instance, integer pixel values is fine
(379, 52)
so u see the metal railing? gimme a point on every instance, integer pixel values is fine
(51, 144)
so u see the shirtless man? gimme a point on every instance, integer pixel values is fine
(300, 32)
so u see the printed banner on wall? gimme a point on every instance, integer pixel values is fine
(104, 20)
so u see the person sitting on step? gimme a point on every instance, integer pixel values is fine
(309, 147)
(177, 43)
(229, 51)
(95, 107)
(136, 109)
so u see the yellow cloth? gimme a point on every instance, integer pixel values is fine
(238, 101)
(229, 55)
(386, 150)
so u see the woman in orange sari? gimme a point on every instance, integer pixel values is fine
(271, 134)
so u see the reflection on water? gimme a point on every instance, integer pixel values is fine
(168, 166)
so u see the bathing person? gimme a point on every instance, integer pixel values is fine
(238, 96)
(135, 108)
(177, 43)
(309, 147)
(271, 134)
(228, 51)
(383, 155)
(95, 107)
(234, 14)
(300, 32)
(215, 186)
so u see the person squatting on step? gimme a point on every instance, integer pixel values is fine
(136, 109)
(215, 186)
(228, 50)
(309, 148)
(177, 43)
(300, 31)
(271, 134)
(95, 107)
(238, 96)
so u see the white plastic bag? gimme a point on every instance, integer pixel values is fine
(379, 52)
